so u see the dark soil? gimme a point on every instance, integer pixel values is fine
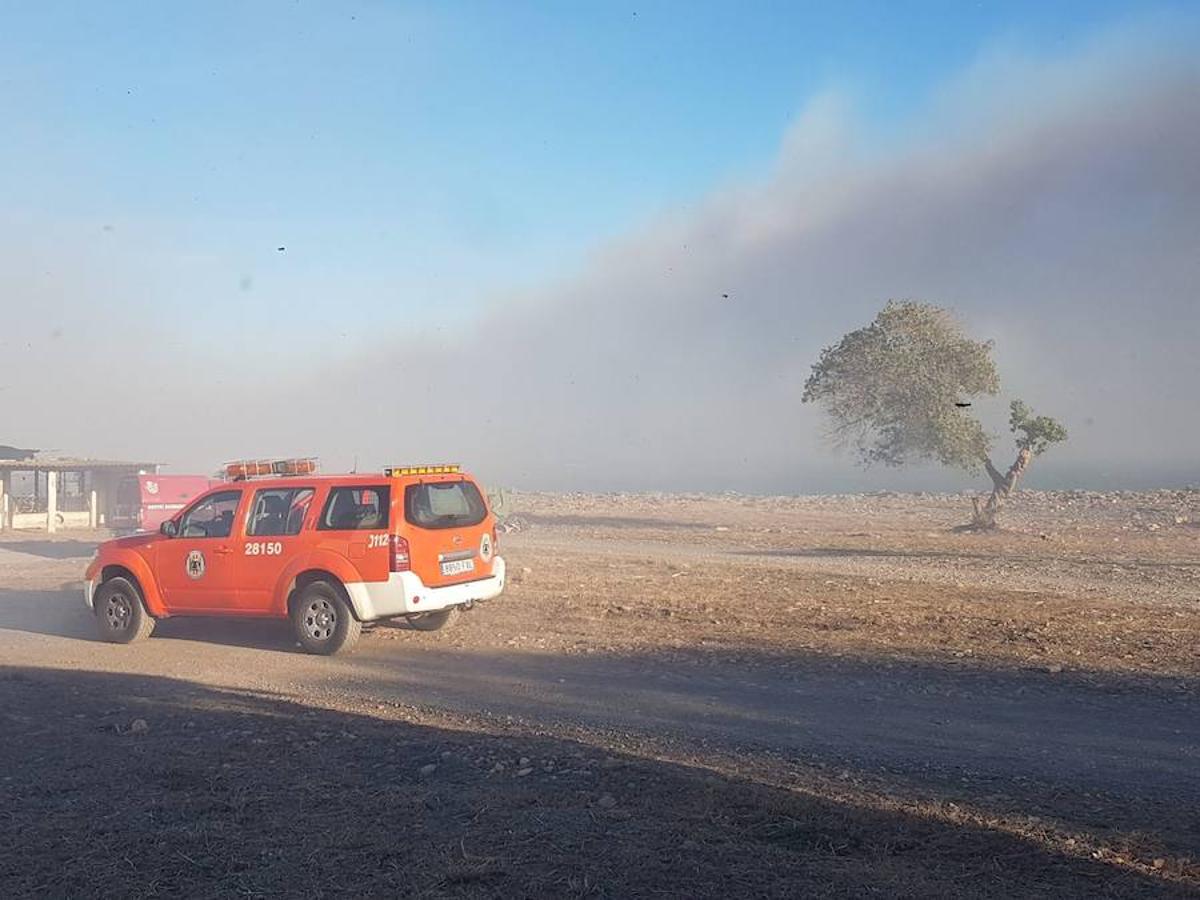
(140, 786)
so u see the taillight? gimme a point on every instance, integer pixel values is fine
(398, 560)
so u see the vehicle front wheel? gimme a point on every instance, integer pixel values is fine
(121, 616)
(323, 621)
(433, 621)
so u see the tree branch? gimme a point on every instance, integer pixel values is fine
(998, 480)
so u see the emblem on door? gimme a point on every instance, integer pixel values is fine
(195, 565)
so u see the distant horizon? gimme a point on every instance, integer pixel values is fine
(1099, 478)
(831, 478)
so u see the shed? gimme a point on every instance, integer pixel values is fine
(54, 493)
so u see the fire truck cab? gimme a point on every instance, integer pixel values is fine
(328, 552)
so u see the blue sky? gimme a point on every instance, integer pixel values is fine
(543, 208)
(419, 159)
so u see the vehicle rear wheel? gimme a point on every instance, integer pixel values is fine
(323, 621)
(433, 621)
(121, 616)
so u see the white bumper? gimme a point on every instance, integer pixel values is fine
(404, 594)
(89, 592)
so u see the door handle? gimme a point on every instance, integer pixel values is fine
(223, 551)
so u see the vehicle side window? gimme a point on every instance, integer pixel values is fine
(279, 511)
(355, 509)
(211, 517)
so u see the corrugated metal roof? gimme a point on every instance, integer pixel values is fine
(72, 464)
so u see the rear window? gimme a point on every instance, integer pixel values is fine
(355, 509)
(444, 504)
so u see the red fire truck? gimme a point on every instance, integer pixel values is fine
(146, 501)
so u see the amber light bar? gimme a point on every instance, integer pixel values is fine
(258, 468)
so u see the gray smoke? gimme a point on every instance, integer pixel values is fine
(1055, 206)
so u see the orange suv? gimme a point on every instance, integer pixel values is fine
(328, 552)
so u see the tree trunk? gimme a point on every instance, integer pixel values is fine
(987, 513)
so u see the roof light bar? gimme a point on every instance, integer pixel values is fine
(259, 468)
(444, 469)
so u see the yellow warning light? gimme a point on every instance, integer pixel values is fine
(444, 469)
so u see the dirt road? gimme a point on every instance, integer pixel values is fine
(664, 639)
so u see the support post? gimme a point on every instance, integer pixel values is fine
(93, 510)
(3, 502)
(51, 501)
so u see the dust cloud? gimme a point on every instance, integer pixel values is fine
(1054, 204)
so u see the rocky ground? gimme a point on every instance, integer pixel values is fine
(689, 695)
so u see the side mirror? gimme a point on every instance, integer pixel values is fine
(170, 528)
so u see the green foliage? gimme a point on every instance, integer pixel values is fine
(891, 388)
(1035, 434)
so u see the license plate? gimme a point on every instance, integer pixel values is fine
(458, 566)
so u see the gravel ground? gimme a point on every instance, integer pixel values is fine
(711, 695)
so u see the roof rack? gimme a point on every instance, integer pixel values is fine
(269, 468)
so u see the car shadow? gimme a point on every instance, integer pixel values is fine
(143, 785)
(68, 549)
(257, 634)
(62, 613)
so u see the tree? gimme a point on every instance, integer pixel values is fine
(899, 391)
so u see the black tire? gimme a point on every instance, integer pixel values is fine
(323, 621)
(433, 621)
(121, 616)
